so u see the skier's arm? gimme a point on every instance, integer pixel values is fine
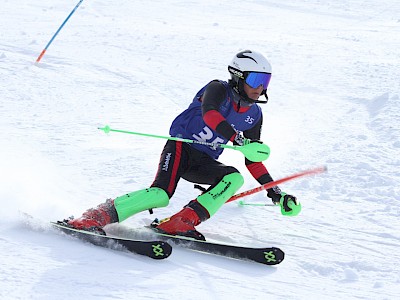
(257, 169)
(289, 204)
(213, 97)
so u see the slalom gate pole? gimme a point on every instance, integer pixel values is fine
(276, 182)
(59, 29)
(254, 151)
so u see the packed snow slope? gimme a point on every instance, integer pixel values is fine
(334, 101)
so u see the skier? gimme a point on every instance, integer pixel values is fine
(221, 112)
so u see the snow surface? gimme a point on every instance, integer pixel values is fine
(334, 101)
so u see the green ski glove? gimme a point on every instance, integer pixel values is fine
(253, 150)
(289, 204)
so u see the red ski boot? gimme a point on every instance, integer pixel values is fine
(183, 223)
(94, 219)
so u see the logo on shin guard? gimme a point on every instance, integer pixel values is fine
(223, 191)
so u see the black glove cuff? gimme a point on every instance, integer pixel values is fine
(275, 194)
(274, 191)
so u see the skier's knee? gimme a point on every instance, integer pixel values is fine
(221, 192)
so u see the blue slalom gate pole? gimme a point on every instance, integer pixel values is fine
(59, 29)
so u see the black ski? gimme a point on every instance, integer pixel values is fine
(154, 249)
(265, 255)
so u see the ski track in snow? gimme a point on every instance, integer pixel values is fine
(334, 100)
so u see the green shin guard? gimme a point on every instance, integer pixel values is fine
(217, 196)
(132, 203)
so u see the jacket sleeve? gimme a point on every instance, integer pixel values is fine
(213, 97)
(257, 169)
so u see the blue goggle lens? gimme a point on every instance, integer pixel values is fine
(254, 79)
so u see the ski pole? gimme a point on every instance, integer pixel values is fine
(59, 29)
(254, 151)
(242, 203)
(276, 182)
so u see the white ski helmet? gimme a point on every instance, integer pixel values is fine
(250, 67)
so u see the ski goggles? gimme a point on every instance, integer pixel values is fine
(255, 79)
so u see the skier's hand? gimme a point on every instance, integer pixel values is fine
(290, 206)
(240, 140)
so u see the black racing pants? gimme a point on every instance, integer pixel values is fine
(179, 160)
